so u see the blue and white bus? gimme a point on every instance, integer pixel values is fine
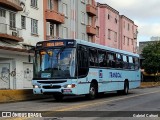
(76, 67)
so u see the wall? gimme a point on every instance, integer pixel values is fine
(31, 13)
(18, 78)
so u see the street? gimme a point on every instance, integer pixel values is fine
(138, 103)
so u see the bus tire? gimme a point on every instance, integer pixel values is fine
(92, 91)
(126, 88)
(58, 97)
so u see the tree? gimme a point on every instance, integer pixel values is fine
(151, 54)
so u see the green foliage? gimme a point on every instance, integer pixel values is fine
(151, 53)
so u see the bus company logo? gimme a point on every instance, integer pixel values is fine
(100, 74)
(115, 75)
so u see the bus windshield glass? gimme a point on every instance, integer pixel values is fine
(55, 63)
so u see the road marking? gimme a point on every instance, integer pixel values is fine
(90, 103)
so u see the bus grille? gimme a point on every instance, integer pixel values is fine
(51, 82)
(52, 87)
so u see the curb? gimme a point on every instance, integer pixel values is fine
(19, 95)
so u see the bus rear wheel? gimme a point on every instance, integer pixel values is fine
(126, 88)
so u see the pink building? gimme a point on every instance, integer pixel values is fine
(116, 31)
(128, 35)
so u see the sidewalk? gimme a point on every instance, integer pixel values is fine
(149, 84)
(21, 95)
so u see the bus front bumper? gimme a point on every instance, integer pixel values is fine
(68, 90)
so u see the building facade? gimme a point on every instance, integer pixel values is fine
(116, 30)
(20, 28)
(128, 34)
(70, 19)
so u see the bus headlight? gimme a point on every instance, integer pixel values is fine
(35, 86)
(70, 86)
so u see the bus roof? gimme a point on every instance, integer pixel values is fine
(83, 42)
(104, 47)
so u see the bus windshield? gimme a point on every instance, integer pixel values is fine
(55, 63)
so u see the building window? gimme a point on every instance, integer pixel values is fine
(23, 22)
(97, 31)
(34, 26)
(132, 41)
(64, 9)
(108, 16)
(52, 30)
(83, 1)
(109, 34)
(124, 40)
(12, 20)
(2, 13)
(89, 20)
(116, 20)
(115, 36)
(83, 17)
(34, 3)
(90, 38)
(50, 4)
(65, 32)
(128, 27)
(83, 36)
(128, 42)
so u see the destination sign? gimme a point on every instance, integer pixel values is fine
(56, 43)
(52, 44)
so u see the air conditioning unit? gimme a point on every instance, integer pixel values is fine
(14, 33)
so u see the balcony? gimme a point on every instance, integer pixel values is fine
(92, 10)
(8, 33)
(91, 30)
(11, 4)
(52, 15)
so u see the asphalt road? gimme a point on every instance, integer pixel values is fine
(138, 104)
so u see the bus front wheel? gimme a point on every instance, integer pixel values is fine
(92, 91)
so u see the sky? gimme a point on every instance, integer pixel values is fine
(144, 13)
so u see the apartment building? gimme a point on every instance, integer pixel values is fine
(20, 28)
(115, 30)
(70, 19)
(128, 36)
(109, 25)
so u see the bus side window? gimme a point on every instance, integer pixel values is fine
(82, 60)
(131, 64)
(111, 60)
(125, 62)
(118, 60)
(136, 63)
(102, 58)
(93, 58)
